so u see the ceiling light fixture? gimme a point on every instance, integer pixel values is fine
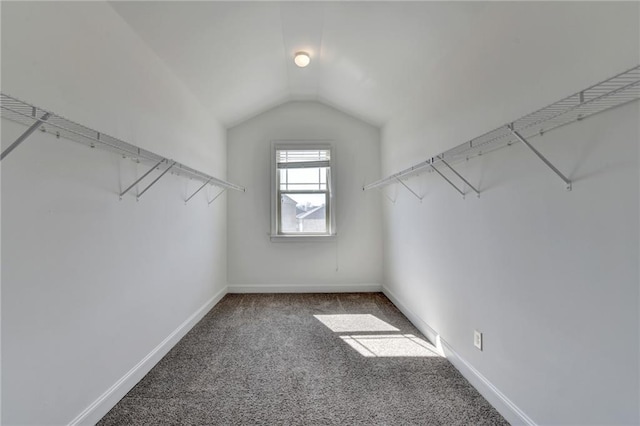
(302, 59)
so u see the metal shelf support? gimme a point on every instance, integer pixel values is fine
(381, 189)
(25, 135)
(540, 156)
(409, 189)
(450, 183)
(198, 190)
(141, 177)
(155, 180)
(613, 92)
(460, 176)
(390, 199)
(25, 113)
(219, 194)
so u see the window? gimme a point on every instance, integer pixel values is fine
(302, 181)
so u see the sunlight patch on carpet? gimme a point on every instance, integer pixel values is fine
(379, 343)
(354, 323)
(391, 345)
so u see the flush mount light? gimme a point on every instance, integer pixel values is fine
(302, 59)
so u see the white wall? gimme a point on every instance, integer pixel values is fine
(355, 258)
(90, 284)
(550, 277)
(514, 58)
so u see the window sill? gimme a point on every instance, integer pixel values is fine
(303, 238)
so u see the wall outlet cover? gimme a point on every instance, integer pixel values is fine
(477, 339)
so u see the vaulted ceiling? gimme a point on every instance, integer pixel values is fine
(369, 59)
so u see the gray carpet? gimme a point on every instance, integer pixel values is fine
(267, 359)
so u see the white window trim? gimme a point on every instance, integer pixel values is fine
(303, 144)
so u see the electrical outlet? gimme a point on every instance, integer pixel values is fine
(477, 339)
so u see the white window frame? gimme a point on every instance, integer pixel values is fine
(331, 204)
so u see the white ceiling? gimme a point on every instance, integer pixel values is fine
(375, 60)
(368, 59)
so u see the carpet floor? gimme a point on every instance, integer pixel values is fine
(303, 359)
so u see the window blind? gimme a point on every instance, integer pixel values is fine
(303, 159)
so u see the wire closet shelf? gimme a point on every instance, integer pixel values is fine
(45, 121)
(615, 91)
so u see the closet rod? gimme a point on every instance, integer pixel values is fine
(615, 91)
(37, 118)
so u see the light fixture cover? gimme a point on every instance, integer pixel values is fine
(302, 59)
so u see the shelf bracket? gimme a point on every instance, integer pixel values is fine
(25, 135)
(198, 190)
(141, 177)
(381, 189)
(219, 194)
(460, 176)
(155, 180)
(450, 183)
(409, 189)
(390, 199)
(540, 156)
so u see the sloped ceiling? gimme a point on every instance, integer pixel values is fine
(237, 58)
(373, 60)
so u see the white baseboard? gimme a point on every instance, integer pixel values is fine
(497, 399)
(101, 406)
(424, 328)
(504, 405)
(304, 288)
